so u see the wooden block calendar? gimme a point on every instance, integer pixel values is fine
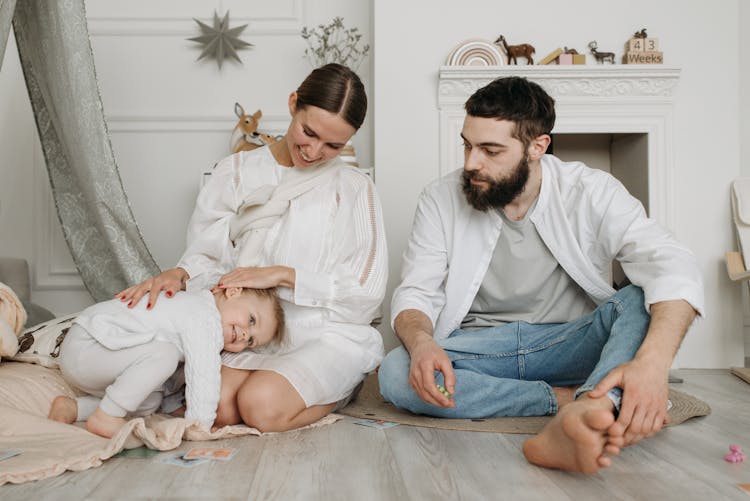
(643, 51)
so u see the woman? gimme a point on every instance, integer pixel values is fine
(292, 215)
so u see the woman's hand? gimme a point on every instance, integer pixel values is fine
(169, 281)
(259, 278)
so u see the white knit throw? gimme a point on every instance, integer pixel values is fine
(260, 210)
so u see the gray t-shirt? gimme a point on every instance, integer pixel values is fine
(524, 282)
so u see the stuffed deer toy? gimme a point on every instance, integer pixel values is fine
(245, 136)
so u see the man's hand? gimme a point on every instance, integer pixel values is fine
(645, 391)
(427, 357)
(644, 380)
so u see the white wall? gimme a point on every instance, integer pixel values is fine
(744, 44)
(169, 116)
(412, 41)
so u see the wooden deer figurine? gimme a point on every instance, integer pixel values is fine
(601, 57)
(245, 136)
(514, 51)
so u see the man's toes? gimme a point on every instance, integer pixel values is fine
(618, 441)
(612, 449)
(598, 420)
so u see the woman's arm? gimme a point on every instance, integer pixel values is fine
(169, 281)
(209, 250)
(264, 277)
(351, 283)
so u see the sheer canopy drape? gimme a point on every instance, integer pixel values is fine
(99, 227)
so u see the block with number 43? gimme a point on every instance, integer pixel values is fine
(643, 45)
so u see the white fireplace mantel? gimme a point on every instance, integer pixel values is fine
(589, 99)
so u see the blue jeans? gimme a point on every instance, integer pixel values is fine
(509, 370)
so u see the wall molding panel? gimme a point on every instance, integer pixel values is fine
(144, 18)
(53, 268)
(141, 123)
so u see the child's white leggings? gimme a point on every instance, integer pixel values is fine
(121, 382)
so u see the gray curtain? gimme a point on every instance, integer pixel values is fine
(58, 65)
(6, 16)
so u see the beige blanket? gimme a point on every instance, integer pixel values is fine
(12, 319)
(50, 448)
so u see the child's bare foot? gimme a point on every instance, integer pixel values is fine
(64, 409)
(576, 438)
(103, 424)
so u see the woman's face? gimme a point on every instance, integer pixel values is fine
(315, 135)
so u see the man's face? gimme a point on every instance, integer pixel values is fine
(496, 166)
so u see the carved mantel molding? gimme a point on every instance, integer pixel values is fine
(457, 83)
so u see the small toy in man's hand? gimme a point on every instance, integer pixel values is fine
(735, 454)
(442, 390)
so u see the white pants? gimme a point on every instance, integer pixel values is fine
(122, 382)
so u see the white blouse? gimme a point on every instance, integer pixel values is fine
(334, 238)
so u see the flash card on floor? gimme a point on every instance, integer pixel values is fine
(178, 460)
(9, 453)
(220, 453)
(376, 423)
(744, 488)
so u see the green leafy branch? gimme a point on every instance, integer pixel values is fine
(334, 43)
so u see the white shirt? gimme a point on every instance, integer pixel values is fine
(190, 321)
(333, 236)
(584, 216)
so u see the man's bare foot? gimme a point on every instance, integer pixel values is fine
(576, 438)
(64, 409)
(564, 394)
(103, 424)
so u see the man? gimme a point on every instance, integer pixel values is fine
(506, 299)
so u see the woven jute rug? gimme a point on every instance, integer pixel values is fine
(741, 372)
(369, 404)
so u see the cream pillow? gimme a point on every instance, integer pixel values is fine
(40, 344)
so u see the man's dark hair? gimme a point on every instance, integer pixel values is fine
(517, 100)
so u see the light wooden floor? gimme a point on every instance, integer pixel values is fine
(351, 462)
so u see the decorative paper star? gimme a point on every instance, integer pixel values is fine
(220, 42)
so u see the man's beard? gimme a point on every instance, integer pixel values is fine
(499, 193)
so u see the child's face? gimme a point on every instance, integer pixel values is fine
(247, 320)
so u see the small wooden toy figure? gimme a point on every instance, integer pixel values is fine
(245, 136)
(514, 51)
(601, 57)
(735, 455)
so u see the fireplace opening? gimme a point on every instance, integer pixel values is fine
(625, 156)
